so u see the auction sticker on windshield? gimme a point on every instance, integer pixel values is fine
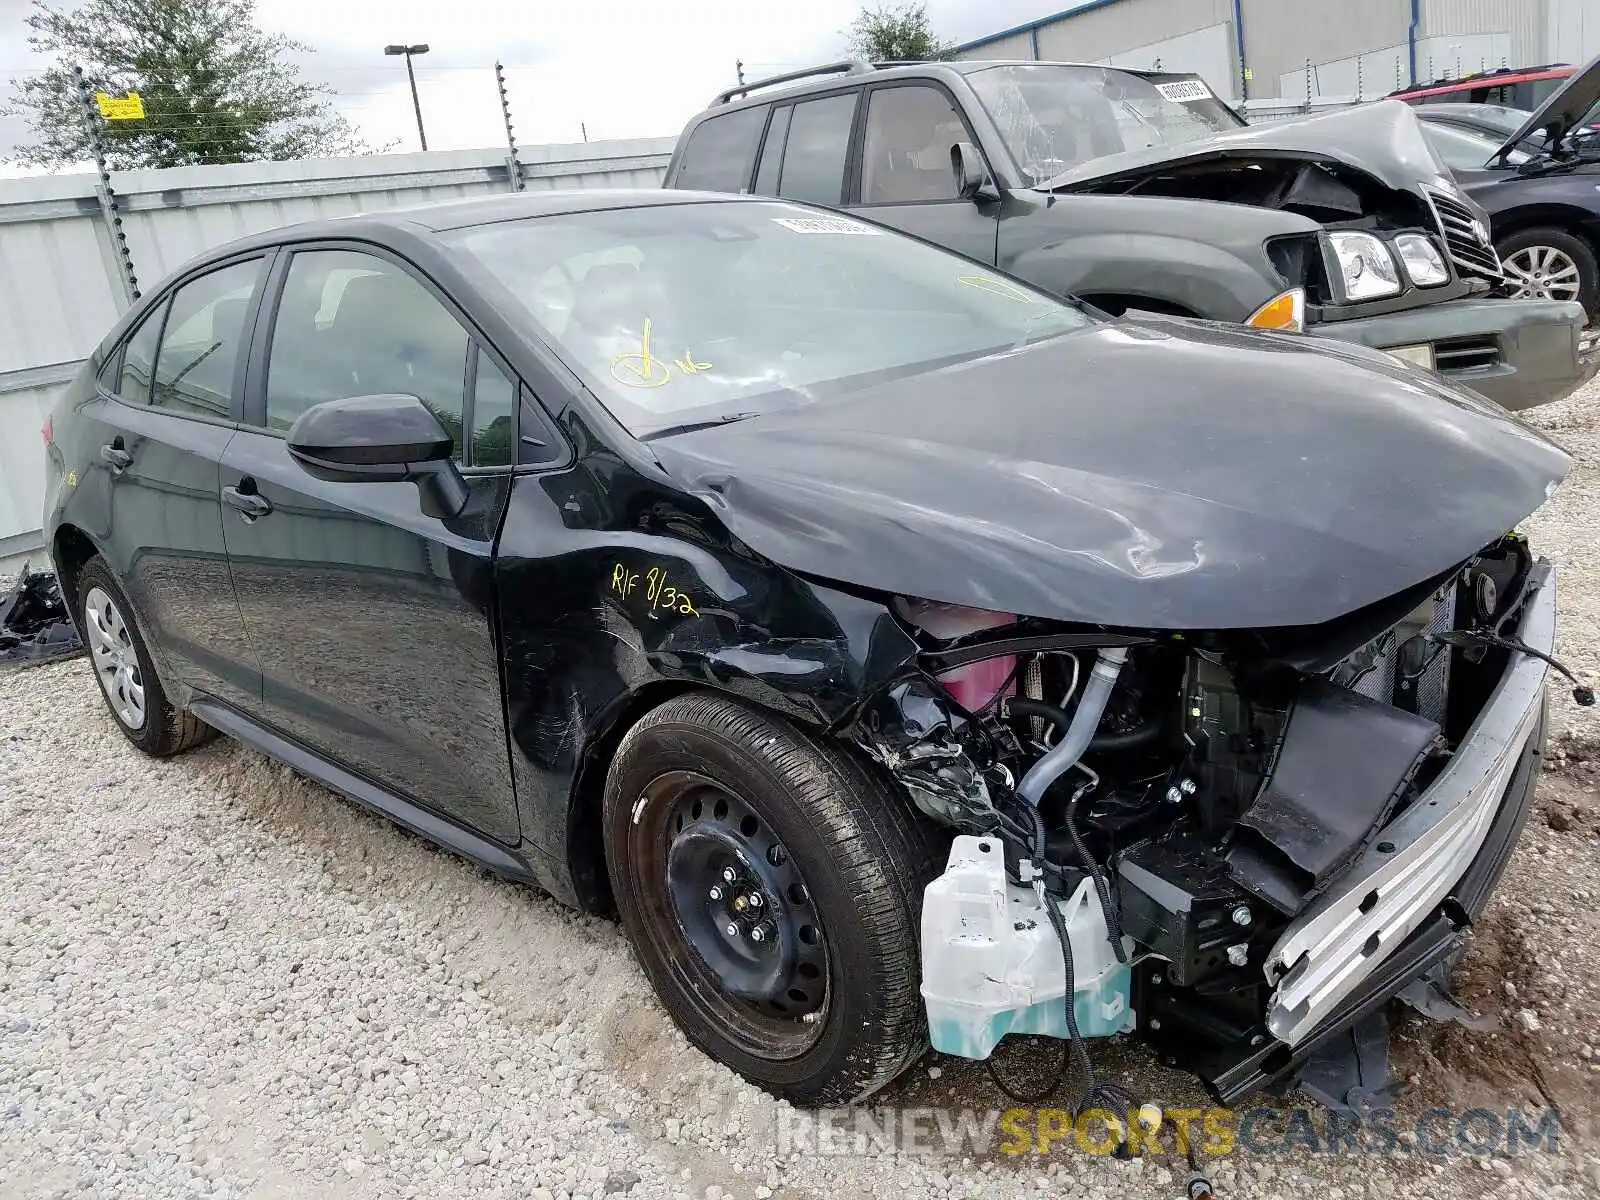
(823, 225)
(1184, 91)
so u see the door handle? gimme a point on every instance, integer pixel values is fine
(249, 503)
(116, 457)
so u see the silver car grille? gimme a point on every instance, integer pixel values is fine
(1419, 856)
(1466, 238)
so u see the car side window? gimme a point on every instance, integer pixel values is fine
(139, 358)
(721, 152)
(906, 158)
(494, 399)
(772, 151)
(354, 324)
(815, 153)
(202, 341)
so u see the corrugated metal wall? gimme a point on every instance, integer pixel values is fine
(1523, 22)
(1126, 26)
(59, 291)
(1280, 35)
(1350, 46)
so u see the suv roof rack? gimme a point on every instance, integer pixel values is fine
(1484, 77)
(846, 67)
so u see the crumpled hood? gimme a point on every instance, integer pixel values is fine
(1556, 117)
(1172, 475)
(1383, 139)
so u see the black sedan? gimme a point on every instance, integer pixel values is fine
(1538, 177)
(877, 634)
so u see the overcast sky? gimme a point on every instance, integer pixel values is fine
(621, 68)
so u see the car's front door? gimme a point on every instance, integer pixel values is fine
(164, 412)
(906, 179)
(374, 621)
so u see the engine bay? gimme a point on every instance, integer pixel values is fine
(1167, 804)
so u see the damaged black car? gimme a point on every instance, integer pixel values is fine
(906, 654)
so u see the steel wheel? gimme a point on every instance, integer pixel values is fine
(734, 916)
(1542, 273)
(116, 664)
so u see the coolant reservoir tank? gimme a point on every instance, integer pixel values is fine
(992, 963)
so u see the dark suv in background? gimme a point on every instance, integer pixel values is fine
(1105, 184)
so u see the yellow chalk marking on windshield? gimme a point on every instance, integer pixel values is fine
(999, 287)
(641, 369)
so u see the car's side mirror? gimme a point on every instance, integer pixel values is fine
(972, 177)
(381, 439)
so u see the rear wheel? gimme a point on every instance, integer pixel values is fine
(771, 886)
(1551, 264)
(122, 668)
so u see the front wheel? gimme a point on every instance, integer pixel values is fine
(771, 886)
(1551, 264)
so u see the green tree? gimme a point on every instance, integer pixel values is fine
(216, 88)
(897, 32)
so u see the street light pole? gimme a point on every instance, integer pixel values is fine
(408, 51)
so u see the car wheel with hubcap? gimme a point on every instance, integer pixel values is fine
(771, 885)
(1551, 264)
(122, 668)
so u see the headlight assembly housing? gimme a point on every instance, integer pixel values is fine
(1366, 269)
(1421, 258)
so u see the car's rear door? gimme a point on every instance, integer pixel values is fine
(166, 407)
(375, 622)
(902, 174)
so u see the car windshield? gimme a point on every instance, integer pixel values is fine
(1466, 149)
(679, 314)
(1054, 117)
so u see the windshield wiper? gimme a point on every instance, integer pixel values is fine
(691, 426)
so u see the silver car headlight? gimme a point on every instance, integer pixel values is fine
(1366, 266)
(1421, 258)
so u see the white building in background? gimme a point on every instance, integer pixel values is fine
(1295, 49)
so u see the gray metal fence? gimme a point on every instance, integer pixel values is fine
(61, 285)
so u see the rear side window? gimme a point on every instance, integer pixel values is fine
(201, 344)
(721, 152)
(815, 153)
(772, 152)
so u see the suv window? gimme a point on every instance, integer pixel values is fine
(721, 151)
(201, 343)
(907, 155)
(815, 153)
(353, 324)
(772, 151)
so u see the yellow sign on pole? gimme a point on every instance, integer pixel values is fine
(120, 108)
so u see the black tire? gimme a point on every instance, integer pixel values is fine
(864, 857)
(1573, 247)
(165, 730)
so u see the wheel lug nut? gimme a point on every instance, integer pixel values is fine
(729, 874)
(733, 929)
(754, 900)
(762, 932)
(716, 892)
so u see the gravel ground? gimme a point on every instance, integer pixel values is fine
(219, 980)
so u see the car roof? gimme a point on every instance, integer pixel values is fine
(444, 215)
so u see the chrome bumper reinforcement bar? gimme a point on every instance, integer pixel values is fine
(1411, 866)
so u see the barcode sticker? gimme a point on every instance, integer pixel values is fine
(1184, 91)
(824, 225)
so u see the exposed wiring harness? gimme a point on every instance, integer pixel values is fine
(1093, 1092)
(1582, 693)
